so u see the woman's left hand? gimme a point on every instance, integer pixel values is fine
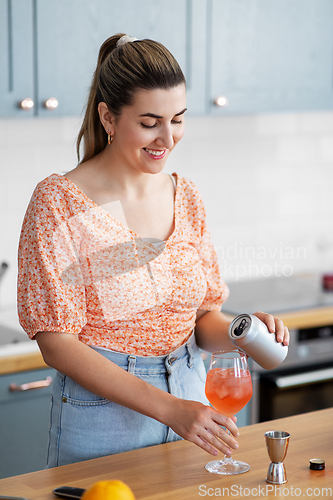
(275, 325)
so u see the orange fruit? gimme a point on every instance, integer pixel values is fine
(108, 490)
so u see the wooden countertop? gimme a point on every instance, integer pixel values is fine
(21, 362)
(309, 318)
(293, 320)
(176, 470)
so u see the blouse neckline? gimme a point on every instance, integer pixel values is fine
(74, 187)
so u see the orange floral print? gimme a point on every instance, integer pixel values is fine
(82, 271)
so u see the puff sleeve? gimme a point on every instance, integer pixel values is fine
(47, 302)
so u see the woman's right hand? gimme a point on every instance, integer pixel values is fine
(201, 425)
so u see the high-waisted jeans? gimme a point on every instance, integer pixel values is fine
(85, 426)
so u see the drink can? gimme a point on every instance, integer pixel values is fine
(251, 336)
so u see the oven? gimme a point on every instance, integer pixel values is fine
(304, 381)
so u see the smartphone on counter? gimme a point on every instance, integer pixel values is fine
(68, 492)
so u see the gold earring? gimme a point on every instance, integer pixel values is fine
(110, 139)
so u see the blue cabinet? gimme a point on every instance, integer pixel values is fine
(16, 56)
(261, 55)
(271, 55)
(69, 35)
(24, 421)
(62, 39)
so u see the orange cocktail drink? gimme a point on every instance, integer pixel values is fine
(228, 390)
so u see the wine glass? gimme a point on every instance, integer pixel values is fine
(228, 388)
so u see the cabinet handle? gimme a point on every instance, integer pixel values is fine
(51, 104)
(27, 104)
(39, 384)
(221, 101)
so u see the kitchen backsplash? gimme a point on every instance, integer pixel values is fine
(267, 183)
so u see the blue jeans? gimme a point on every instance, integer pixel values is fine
(85, 426)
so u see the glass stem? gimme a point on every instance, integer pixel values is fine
(228, 458)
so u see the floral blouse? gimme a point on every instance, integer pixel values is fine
(84, 272)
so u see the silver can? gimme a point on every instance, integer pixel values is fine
(251, 336)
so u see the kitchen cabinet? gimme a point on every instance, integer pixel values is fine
(61, 42)
(24, 421)
(270, 56)
(262, 56)
(69, 35)
(16, 55)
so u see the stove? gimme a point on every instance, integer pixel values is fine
(277, 295)
(304, 381)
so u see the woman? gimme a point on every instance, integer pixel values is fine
(116, 269)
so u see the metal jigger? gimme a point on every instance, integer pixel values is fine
(277, 445)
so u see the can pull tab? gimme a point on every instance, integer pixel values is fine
(240, 328)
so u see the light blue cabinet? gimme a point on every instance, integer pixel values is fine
(69, 35)
(274, 55)
(24, 422)
(262, 55)
(16, 56)
(61, 40)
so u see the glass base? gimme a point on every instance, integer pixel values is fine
(227, 466)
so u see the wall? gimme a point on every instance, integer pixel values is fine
(266, 180)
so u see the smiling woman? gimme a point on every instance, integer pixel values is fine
(139, 137)
(124, 66)
(176, 120)
(117, 269)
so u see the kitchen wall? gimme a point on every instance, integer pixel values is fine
(267, 183)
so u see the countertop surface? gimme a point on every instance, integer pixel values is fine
(299, 301)
(176, 470)
(32, 359)
(17, 351)
(28, 357)
(278, 295)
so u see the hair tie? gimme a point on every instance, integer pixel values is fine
(125, 39)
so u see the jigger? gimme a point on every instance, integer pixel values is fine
(277, 445)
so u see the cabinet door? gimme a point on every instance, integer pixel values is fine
(16, 56)
(69, 35)
(24, 423)
(271, 55)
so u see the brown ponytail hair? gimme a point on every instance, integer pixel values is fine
(120, 72)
